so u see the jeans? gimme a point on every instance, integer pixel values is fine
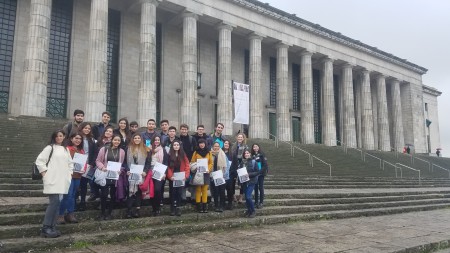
(176, 194)
(259, 190)
(248, 198)
(51, 213)
(218, 193)
(68, 201)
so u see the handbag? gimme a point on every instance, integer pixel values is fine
(198, 179)
(100, 177)
(35, 174)
(90, 173)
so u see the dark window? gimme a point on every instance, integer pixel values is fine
(296, 87)
(273, 82)
(7, 28)
(317, 106)
(246, 66)
(337, 108)
(426, 107)
(217, 69)
(158, 70)
(112, 81)
(59, 58)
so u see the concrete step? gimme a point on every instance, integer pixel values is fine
(130, 233)
(13, 223)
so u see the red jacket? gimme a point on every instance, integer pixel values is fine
(184, 167)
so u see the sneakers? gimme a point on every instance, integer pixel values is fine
(49, 232)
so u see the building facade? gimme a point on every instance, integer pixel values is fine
(177, 59)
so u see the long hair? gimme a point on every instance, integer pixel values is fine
(137, 148)
(127, 126)
(53, 138)
(80, 130)
(259, 151)
(71, 136)
(175, 160)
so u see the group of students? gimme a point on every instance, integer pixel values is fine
(64, 181)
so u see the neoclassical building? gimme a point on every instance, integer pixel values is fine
(177, 59)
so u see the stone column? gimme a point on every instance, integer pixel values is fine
(373, 90)
(306, 98)
(34, 95)
(367, 138)
(384, 143)
(348, 107)
(283, 100)
(97, 61)
(189, 60)
(147, 63)
(328, 110)
(256, 126)
(399, 139)
(225, 105)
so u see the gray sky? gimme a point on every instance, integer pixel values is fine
(416, 30)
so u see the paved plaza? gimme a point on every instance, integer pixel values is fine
(409, 232)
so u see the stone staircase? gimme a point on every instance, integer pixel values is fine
(294, 192)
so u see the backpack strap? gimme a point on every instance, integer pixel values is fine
(50, 156)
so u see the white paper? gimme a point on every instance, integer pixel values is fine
(136, 172)
(218, 177)
(79, 162)
(113, 166)
(179, 179)
(158, 171)
(243, 175)
(202, 165)
(113, 170)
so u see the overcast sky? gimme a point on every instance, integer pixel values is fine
(416, 30)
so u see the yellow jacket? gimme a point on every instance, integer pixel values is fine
(209, 156)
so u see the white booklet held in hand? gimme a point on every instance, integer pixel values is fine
(79, 162)
(158, 171)
(243, 175)
(179, 179)
(136, 172)
(218, 177)
(113, 170)
(202, 165)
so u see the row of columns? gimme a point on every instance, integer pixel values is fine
(372, 101)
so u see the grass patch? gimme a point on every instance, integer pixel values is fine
(81, 245)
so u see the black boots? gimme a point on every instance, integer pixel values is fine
(205, 207)
(172, 210)
(49, 232)
(199, 208)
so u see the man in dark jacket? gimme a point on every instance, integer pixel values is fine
(72, 127)
(201, 135)
(98, 130)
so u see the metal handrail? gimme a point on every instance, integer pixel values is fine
(401, 175)
(307, 153)
(425, 161)
(342, 145)
(329, 165)
(381, 161)
(396, 152)
(437, 166)
(393, 165)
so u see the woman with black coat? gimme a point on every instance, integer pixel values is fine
(261, 161)
(90, 149)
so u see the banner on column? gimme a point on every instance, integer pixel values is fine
(241, 103)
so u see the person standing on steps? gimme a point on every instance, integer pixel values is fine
(201, 191)
(98, 130)
(123, 130)
(56, 167)
(249, 186)
(230, 177)
(68, 200)
(217, 135)
(219, 164)
(90, 149)
(159, 155)
(137, 154)
(72, 127)
(148, 134)
(237, 152)
(164, 125)
(200, 134)
(134, 127)
(261, 161)
(178, 162)
(109, 153)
